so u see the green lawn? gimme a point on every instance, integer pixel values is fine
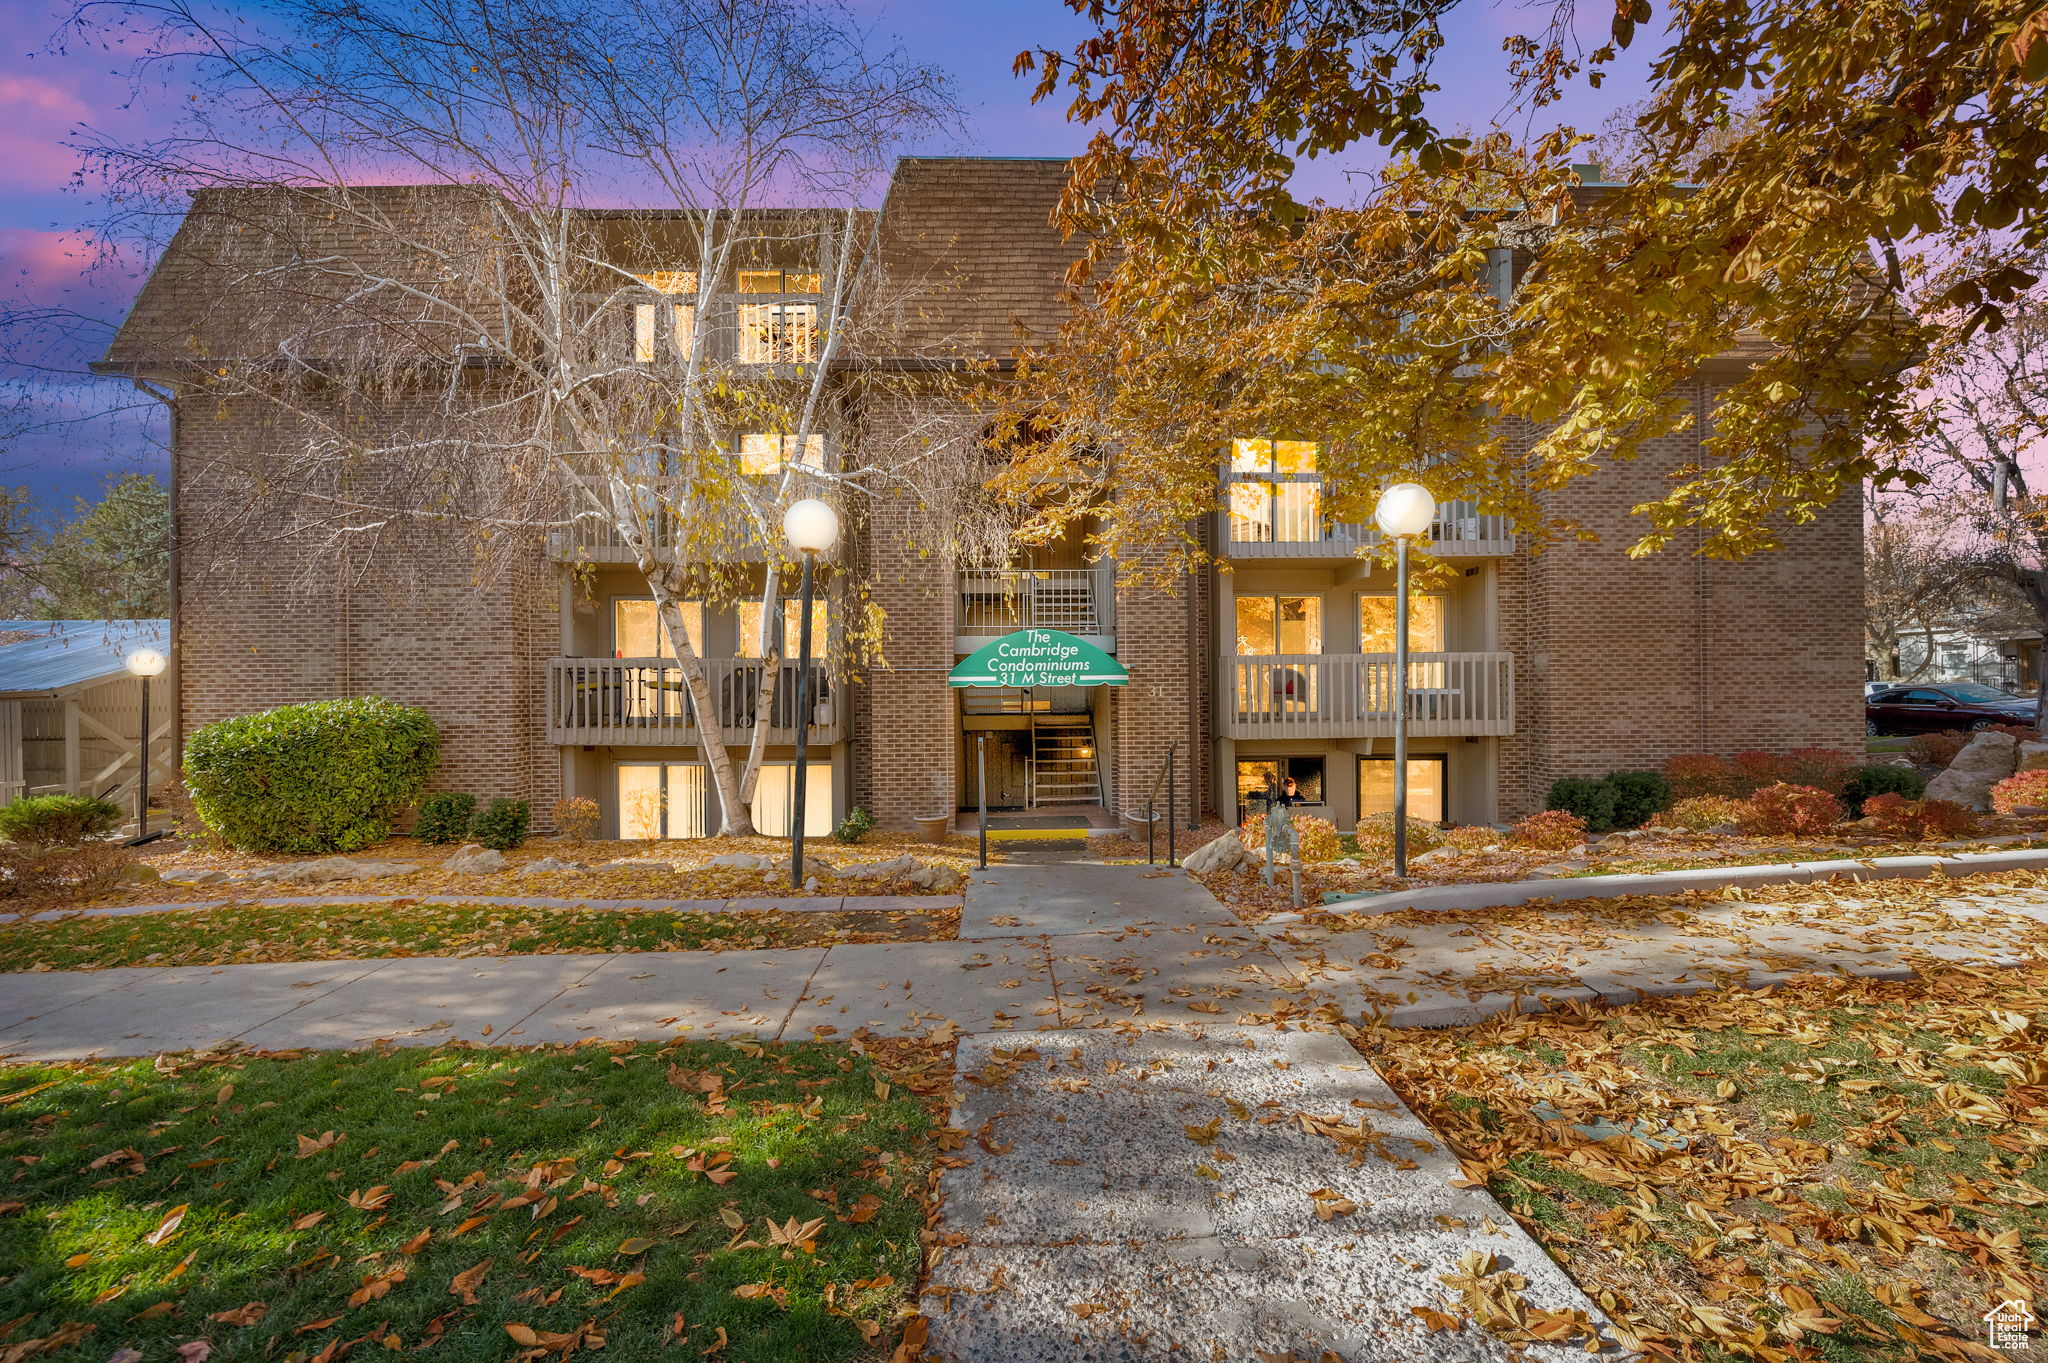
(354, 931)
(488, 1203)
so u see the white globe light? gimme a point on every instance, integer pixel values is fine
(1405, 510)
(145, 662)
(810, 526)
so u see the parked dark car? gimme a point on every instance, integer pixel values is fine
(1933, 707)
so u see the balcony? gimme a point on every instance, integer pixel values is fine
(1271, 518)
(998, 601)
(1351, 695)
(592, 537)
(641, 702)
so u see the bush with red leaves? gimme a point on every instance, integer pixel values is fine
(1698, 773)
(1784, 810)
(1918, 820)
(1553, 830)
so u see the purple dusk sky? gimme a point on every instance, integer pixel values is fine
(81, 430)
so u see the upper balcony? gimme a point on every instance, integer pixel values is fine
(1351, 695)
(1282, 517)
(643, 702)
(997, 601)
(593, 537)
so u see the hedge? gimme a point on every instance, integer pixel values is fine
(321, 777)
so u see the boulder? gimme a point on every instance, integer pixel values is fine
(746, 861)
(473, 858)
(2033, 756)
(940, 878)
(324, 869)
(553, 865)
(138, 873)
(1985, 760)
(636, 864)
(1223, 853)
(197, 878)
(880, 870)
(1437, 854)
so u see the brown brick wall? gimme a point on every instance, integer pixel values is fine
(267, 619)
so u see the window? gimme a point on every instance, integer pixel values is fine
(677, 317)
(664, 800)
(1257, 775)
(1273, 492)
(1279, 624)
(792, 616)
(778, 333)
(772, 799)
(1427, 789)
(763, 454)
(1376, 624)
(778, 281)
(637, 631)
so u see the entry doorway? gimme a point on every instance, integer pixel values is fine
(1008, 754)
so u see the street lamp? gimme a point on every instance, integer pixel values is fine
(811, 527)
(1405, 511)
(143, 663)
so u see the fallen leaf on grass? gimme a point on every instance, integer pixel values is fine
(242, 1315)
(465, 1283)
(167, 1227)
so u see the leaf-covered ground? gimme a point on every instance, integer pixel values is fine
(693, 1200)
(1835, 1170)
(235, 935)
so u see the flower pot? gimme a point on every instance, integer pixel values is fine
(933, 829)
(1135, 825)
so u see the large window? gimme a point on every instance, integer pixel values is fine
(766, 453)
(1273, 492)
(772, 799)
(1376, 624)
(1428, 792)
(1257, 776)
(637, 630)
(784, 331)
(1279, 624)
(674, 316)
(665, 800)
(792, 616)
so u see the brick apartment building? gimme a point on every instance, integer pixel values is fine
(1529, 667)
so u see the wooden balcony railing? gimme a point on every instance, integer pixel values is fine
(996, 601)
(1351, 695)
(593, 537)
(1289, 524)
(643, 701)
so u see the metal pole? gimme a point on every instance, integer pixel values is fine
(803, 729)
(981, 790)
(142, 774)
(1401, 706)
(1152, 831)
(1172, 804)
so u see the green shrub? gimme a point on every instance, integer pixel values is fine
(857, 824)
(1880, 779)
(445, 817)
(57, 820)
(1638, 796)
(1593, 802)
(322, 777)
(502, 824)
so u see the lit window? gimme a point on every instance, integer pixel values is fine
(792, 617)
(1376, 624)
(637, 631)
(777, 281)
(664, 800)
(1279, 624)
(778, 333)
(1426, 787)
(765, 454)
(1289, 508)
(671, 315)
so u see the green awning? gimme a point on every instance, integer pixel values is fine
(1038, 657)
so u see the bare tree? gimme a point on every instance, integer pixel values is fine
(1914, 582)
(408, 254)
(1983, 421)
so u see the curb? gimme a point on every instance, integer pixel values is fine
(1450, 898)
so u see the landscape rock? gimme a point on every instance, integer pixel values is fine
(1440, 854)
(639, 864)
(138, 873)
(324, 869)
(746, 861)
(1224, 853)
(880, 870)
(474, 858)
(940, 878)
(1985, 760)
(554, 864)
(197, 878)
(2033, 756)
